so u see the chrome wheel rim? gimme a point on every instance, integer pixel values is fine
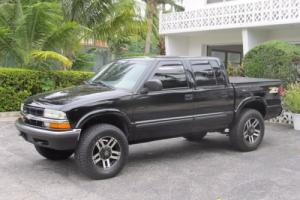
(106, 152)
(252, 130)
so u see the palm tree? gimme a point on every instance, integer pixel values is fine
(152, 10)
(113, 21)
(31, 32)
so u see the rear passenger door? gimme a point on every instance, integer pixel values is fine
(213, 97)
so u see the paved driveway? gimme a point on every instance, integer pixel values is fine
(168, 170)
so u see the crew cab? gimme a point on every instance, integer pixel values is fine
(144, 99)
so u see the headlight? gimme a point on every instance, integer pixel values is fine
(54, 114)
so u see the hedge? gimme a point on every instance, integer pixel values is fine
(17, 84)
(273, 59)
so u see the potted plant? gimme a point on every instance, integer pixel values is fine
(292, 101)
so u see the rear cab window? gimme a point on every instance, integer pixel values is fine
(203, 73)
(219, 73)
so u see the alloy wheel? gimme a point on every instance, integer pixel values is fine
(252, 130)
(106, 152)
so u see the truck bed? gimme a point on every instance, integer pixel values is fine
(236, 80)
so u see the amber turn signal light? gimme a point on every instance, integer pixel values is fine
(56, 125)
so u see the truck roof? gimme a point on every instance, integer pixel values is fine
(173, 58)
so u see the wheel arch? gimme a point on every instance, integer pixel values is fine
(256, 103)
(109, 116)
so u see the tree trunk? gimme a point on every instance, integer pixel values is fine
(151, 8)
(161, 46)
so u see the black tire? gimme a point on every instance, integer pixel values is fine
(196, 136)
(247, 139)
(53, 154)
(91, 145)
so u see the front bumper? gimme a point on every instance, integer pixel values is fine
(59, 140)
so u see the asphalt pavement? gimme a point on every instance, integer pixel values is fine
(162, 170)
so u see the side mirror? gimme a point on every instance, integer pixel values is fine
(153, 85)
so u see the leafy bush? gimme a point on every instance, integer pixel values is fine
(292, 98)
(17, 84)
(10, 99)
(274, 59)
(235, 70)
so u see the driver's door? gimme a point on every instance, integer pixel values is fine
(165, 113)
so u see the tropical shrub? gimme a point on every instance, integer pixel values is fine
(10, 99)
(274, 59)
(36, 34)
(17, 84)
(292, 98)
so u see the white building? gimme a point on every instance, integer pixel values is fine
(228, 29)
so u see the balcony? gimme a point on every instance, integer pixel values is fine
(234, 14)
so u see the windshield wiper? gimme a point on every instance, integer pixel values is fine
(100, 83)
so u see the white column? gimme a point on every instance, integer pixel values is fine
(176, 46)
(252, 38)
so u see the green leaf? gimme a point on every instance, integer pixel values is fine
(45, 55)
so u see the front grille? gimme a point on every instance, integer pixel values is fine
(33, 111)
(33, 122)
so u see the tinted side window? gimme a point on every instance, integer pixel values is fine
(172, 76)
(220, 76)
(204, 74)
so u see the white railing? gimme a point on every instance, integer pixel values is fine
(234, 14)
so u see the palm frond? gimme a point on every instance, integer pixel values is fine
(67, 35)
(86, 12)
(9, 46)
(122, 21)
(46, 55)
(10, 15)
(38, 21)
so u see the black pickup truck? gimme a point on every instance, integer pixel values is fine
(143, 99)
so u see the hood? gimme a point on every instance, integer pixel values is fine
(83, 94)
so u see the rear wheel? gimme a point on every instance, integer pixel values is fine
(53, 154)
(196, 136)
(102, 151)
(248, 131)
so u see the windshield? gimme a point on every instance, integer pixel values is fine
(122, 74)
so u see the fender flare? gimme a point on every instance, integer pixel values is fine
(248, 100)
(102, 112)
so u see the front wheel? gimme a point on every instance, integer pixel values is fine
(248, 131)
(102, 151)
(53, 154)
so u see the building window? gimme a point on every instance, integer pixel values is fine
(234, 59)
(229, 55)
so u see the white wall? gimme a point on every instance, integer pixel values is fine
(176, 46)
(197, 4)
(290, 34)
(193, 4)
(195, 44)
(196, 48)
(252, 38)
